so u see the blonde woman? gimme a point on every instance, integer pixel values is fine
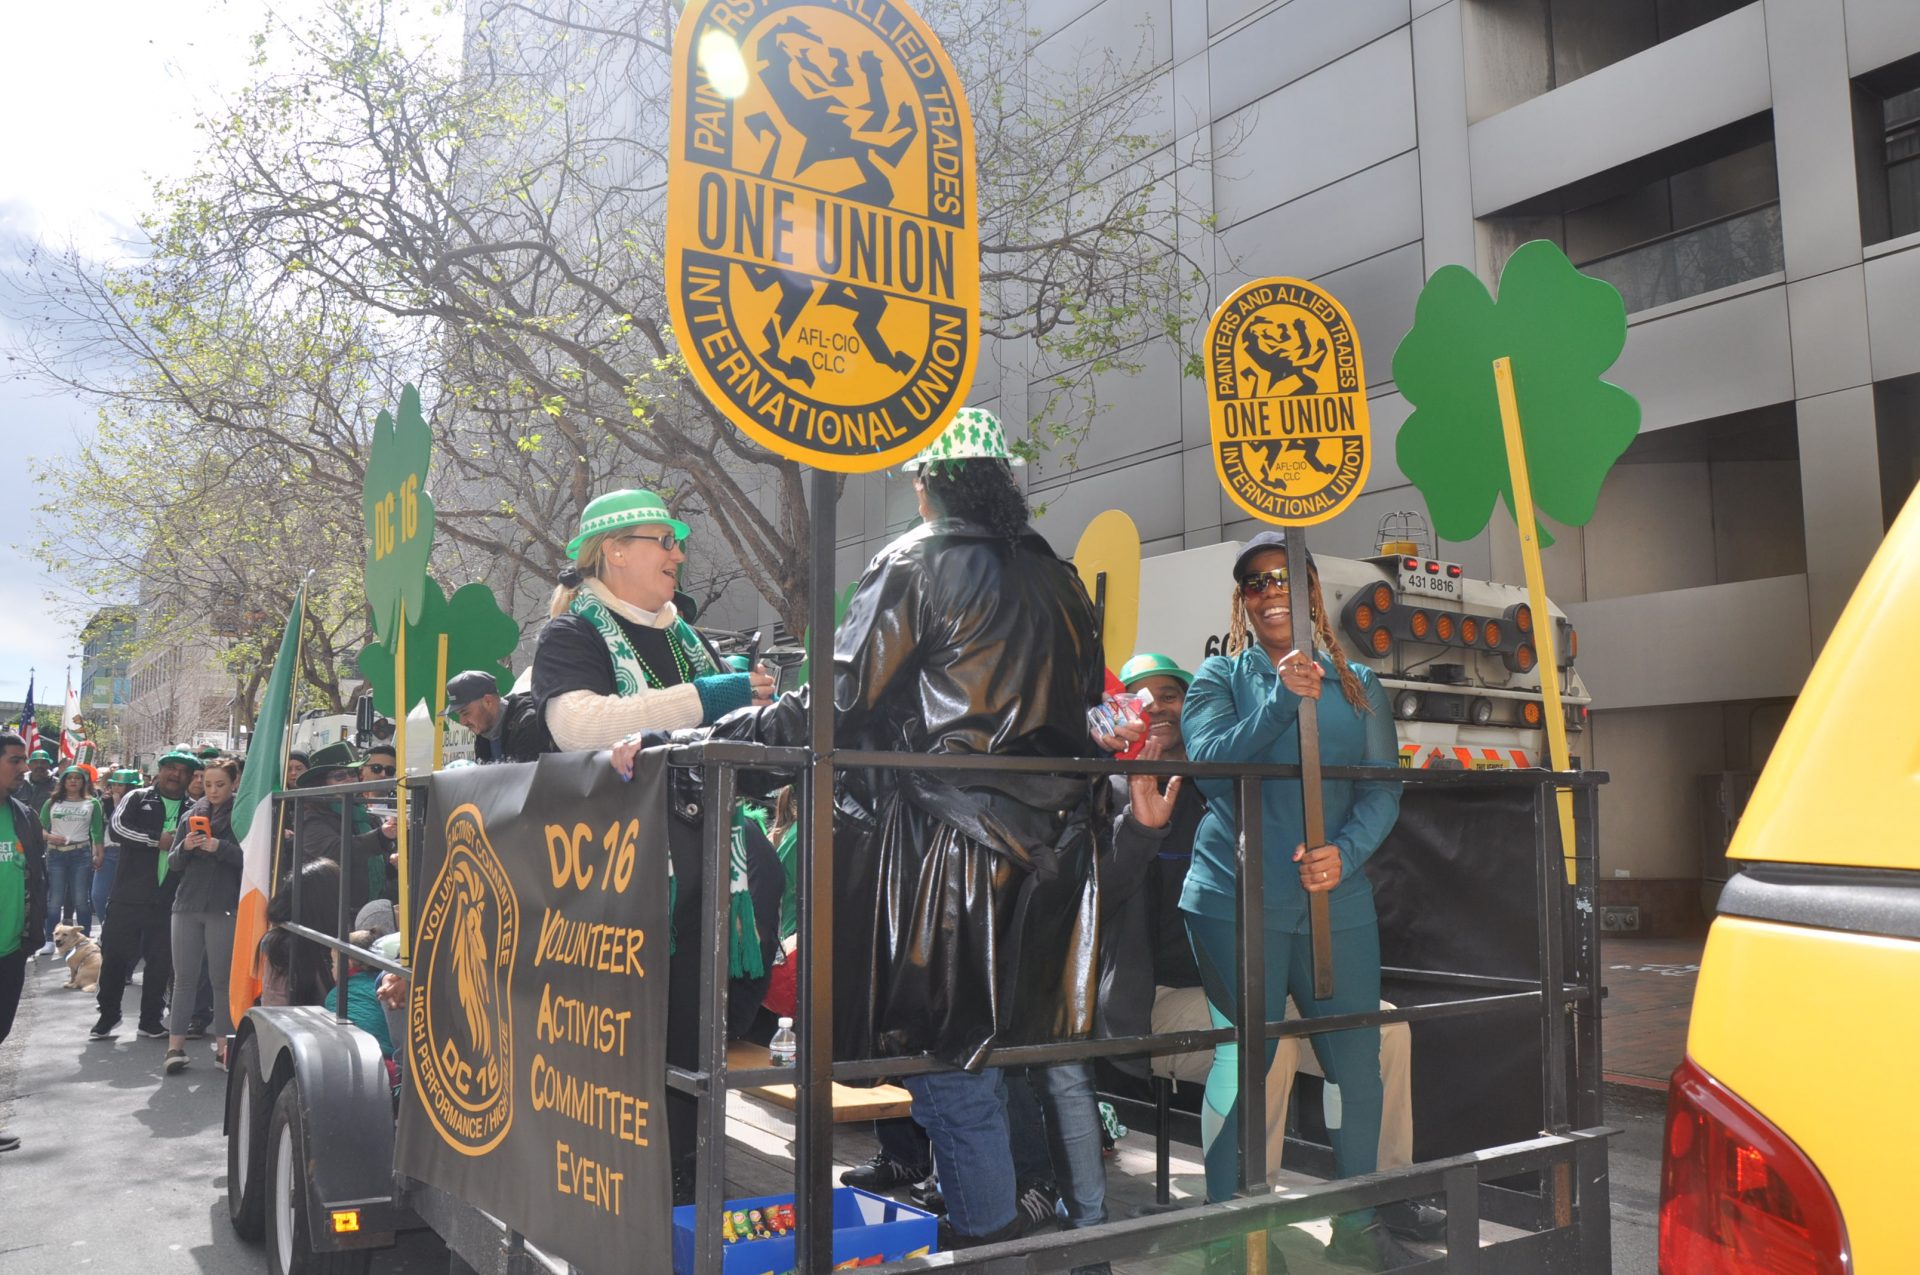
(1244, 707)
(616, 658)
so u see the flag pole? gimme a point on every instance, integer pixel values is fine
(440, 706)
(1546, 640)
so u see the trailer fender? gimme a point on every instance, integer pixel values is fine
(346, 1118)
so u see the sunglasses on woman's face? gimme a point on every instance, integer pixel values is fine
(1259, 582)
(666, 539)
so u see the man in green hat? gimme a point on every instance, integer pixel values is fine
(364, 857)
(967, 635)
(39, 783)
(140, 909)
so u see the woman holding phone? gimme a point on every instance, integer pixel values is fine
(208, 859)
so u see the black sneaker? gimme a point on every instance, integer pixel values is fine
(1371, 1248)
(105, 1027)
(1039, 1204)
(8, 1142)
(197, 1029)
(881, 1173)
(925, 1194)
(153, 1031)
(951, 1240)
(176, 1061)
(1414, 1219)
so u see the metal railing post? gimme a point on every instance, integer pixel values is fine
(1553, 1020)
(1587, 969)
(346, 894)
(710, 1191)
(814, 1161)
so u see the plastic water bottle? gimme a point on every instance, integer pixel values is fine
(1117, 710)
(784, 1049)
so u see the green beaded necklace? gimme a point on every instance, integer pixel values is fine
(679, 661)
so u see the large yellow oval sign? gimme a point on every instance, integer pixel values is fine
(823, 248)
(1287, 402)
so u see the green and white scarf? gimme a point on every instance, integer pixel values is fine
(630, 673)
(630, 676)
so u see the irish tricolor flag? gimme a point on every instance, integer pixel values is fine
(253, 817)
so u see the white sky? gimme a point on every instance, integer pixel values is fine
(100, 98)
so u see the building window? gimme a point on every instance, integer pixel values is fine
(1693, 218)
(1896, 410)
(1886, 137)
(1519, 49)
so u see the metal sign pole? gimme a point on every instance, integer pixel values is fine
(815, 1158)
(1319, 922)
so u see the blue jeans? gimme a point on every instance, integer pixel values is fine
(103, 881)
(965, 1116)
(1055, 1117)
(903, 1142)
(69, 888)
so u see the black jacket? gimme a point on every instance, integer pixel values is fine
(523, 733)
(208, 882)
(965, 911)
(364, 868)
(135, 826)
(33, 844)
(1143, 941)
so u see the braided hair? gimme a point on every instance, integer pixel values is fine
(1240, 636)
(979, 491)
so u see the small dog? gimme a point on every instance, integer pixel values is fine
(82, 955)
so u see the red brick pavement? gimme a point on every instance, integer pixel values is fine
(1649, 996)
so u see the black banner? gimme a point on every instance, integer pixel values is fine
(536, 1024)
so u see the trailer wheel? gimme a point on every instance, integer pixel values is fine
(246, 1142)
(289, 1237)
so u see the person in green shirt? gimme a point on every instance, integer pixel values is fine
(23, 887)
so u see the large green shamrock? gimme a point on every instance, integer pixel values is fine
(398, 514)
(479, 636)
(1562, 329)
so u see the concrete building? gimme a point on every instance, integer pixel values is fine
(104, 681)
(1747, 174)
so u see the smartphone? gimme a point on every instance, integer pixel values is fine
(200, 824)
(754, 644)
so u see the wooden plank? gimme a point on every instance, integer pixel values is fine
(880, 1102)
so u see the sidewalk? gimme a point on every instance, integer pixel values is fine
(1650, 986)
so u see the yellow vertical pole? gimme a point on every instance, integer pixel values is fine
(400, 707)
(1546, 640)
(440, 707)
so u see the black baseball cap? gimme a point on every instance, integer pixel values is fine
(468, 687)
(1261, 543)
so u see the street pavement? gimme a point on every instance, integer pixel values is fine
(122, 1169)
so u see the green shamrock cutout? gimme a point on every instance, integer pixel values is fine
(1562, 329)
(479, 636)
(398, 514)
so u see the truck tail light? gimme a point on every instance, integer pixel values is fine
(1420, 623)
(1382, 641)
(1530, 712)
(1469, 631)
(1443, 627)
(1736, 1194)
(1382, 598)
(1521, 658)
(1490, 633)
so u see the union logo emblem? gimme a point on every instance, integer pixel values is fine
(1287, 402)
(460, 1010)
(823, 251)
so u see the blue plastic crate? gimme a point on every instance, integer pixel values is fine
(865, 1226)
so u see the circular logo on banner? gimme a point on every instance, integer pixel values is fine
(823, 250)
(460, 1015)
(1287, 402)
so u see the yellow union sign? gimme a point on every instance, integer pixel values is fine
(1287, 401)
(823, 248)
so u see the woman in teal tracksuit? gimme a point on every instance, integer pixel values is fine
(1244, 707)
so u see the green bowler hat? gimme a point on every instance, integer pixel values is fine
(182, 756)
(1142, 667)
(631, 508)
(973, 434)
(124, 777)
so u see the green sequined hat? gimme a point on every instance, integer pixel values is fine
(973, 434)
(631, 508)
(1142, 667)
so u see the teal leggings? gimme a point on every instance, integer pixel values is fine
(1351, 1059)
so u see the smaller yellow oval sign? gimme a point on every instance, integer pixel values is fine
(823, 248)
(1287, 402)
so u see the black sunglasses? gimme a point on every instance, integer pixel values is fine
(1258, 582)
(379, 769)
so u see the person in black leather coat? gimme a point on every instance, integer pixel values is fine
(965, 903)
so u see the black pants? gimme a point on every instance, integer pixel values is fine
(139, 923)
(13, 978)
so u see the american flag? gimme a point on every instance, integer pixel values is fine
(28, 730)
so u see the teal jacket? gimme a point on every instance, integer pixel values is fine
(1237, 710)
